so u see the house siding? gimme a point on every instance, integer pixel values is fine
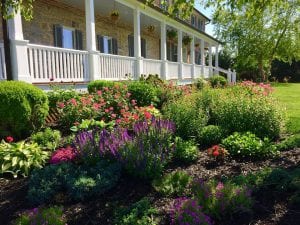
(48, 13)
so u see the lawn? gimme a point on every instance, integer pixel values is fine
(289, 95)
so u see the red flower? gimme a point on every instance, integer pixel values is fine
(9, 139)
(216, 153)
(147, 115)
(135, 116)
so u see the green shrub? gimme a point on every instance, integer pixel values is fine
(221, 200)
(47, 139)
(40, 216)
(185, 151)
(200, 83)
(175, 183)
(21, 158)
(217, 81)
(248, 145)
(97, 85)
(210, 135)
(79, 182)
(289, 143)
(23, 110)
(140, 213)
(236, 109)
(144, 93)
(188, 116)
(61, 95)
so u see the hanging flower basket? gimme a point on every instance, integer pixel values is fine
(151, 28)
(197, 45)
(186, 40)
(171, 34)
(114, 15)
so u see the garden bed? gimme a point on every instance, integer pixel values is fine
(101, 210)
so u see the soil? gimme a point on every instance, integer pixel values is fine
(266, 211)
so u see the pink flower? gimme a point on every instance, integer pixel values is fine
(9, 139)
(61, 105)
(111, 108)
(106, 110)
(216, 153)
(113, 115)
(133, 102)
(99, 93)
(73, 101)
(147, 115)
(63, 155)
(96, 106)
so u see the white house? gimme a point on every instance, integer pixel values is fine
(82, 40)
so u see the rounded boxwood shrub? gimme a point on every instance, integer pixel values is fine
(100, 84)
(217, 81)
(145, 94)
(23, 110)
(210, 135)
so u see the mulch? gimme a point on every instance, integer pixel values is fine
(266, 211)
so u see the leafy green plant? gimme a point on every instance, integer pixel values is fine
(248, 145)
(144, 93)
(40, 216)
(210, 135)
(217, 81)
(220, 199)
(92, 124)
(23, 110)
(185, 151)
(78, 182)
(188, 116)
(200, 83)
(289, 143)
(140, 213)
(20, 158)
(47, 139)
(175, 183)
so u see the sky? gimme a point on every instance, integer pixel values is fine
(207, 12)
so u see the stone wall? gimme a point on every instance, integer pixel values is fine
(47, 13)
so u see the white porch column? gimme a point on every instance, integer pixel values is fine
(193, 56)
(137, 43)
(202, 56)
(210, 60)
(18, 48)
(179, 54)
(163, 50)
(217, 59)
(94, 73)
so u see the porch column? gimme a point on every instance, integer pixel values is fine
(163, 50)
(179, 54)
(137, 43)
(202, 56)
(210, 60)
(93, 64)
(193, 56)
(217, 59)
(18, 48)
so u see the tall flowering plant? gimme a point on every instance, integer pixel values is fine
(150, 148)
(221, 199)
(257, 88)
(188, 212)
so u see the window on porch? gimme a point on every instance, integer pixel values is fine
(131, 46)
(108, 45)
(172, 51)
(67, 37)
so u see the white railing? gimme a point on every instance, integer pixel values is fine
(115, 67)
(198, 71)
(206, 72)
(187, 71)
(231, 75)
(57, 64)
(2, 63)
(173, 70)
(152, 66)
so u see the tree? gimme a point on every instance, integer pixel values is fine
(8, 9)
(259, 31)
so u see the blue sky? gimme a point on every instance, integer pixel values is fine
(207, 12)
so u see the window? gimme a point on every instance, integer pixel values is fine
(199, 24)
(193, 20)
(106, 44)
(131, 46)
(67, 37)
(172, 51)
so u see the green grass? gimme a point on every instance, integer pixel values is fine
(289, 96)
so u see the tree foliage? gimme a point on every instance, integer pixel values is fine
(259, 31)
(10, 7)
